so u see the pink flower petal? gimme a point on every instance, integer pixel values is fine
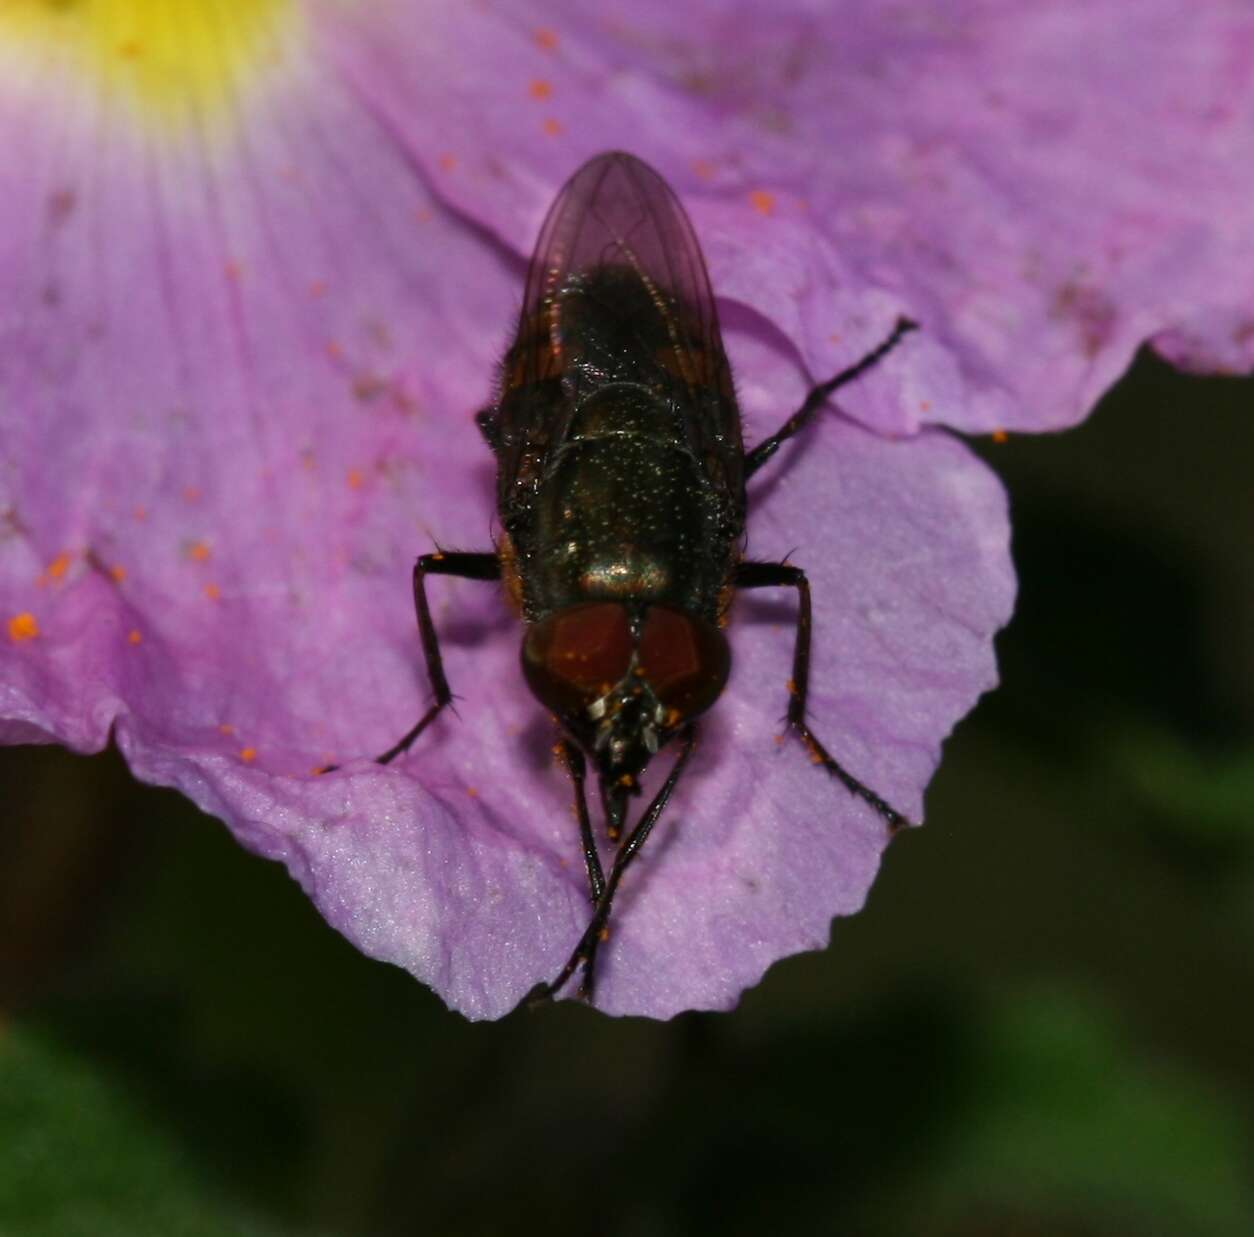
(1044, 188)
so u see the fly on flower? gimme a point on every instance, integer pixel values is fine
(621, 496)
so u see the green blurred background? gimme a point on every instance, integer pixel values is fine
(1041, 1024)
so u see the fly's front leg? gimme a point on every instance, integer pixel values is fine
(573, 759)
(784, 575)
(585, 953)
(758, 456)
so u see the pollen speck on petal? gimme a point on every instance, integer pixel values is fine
(56, 569)
(23, 627)
(762, 201)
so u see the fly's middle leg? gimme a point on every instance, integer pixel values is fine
(470, 567)
(784, 575)
(482, 566)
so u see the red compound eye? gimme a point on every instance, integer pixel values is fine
(685, 660)
(575, 656)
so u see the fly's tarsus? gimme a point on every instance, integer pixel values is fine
(751, 574)
(585, 953)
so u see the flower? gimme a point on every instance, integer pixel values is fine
(259, 260)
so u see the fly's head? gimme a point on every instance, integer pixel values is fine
(624, 678)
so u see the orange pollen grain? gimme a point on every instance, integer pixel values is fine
(703, 168)
(191, 493)
(447, 162)
(134, 636)
(1000, 436)
(57, 568)
(198, 551)
(472, 791)
(552, 126)
(248, 755)
(118, 572)
(334, 351)
(763, 201)
(233, 270)
(140, 513)
(213, 592)
(540, 89)
(317, 287)
(226, 728)
(355, 478)
(546, 39)
(23, 627)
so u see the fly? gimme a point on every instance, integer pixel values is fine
(621, 498)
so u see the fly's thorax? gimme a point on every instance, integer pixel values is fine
(625, 409)
(624, 518)
(623, 678)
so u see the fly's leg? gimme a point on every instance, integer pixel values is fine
(573, 759)
(783, 575)
(470, 567)
(585, 953)
(758, 456)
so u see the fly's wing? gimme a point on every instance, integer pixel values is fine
(617, 291)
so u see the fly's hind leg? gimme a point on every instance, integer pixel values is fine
(784, 575)
(755, 458)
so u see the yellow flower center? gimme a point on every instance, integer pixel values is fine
(176, 62)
